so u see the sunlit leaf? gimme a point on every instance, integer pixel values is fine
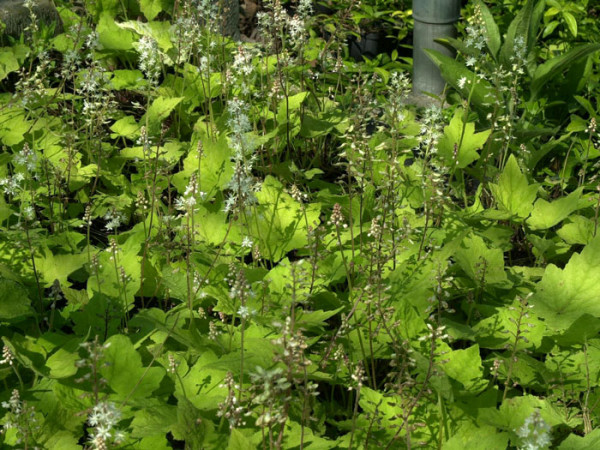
(564, 295)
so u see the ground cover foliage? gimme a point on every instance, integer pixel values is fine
(216, 244)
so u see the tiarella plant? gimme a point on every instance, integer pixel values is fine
(209, 243)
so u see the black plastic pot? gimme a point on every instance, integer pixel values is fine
(371, 44)
(368, 46)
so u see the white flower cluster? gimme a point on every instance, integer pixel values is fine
(25, 163)
(296, 29)
(242, 62)
(186, 33)
(92, 79)
(149, 58)
(276, 22)
(113, 219)
(244, 312)
(11, 185)
(270, 387)
(304, 9)
(230, 407)
(242, 183)
(238, 123)
(98, 101)
(7, 356)
(398, 89)
(431, 128)
(32, 86)
(92, 41)
(70, 63)
(242, 70)
(188, 200)
(519, 56)
(103, 418)
(22, 418)
(534, 433)
(207, 10)
(476, 32)
(27, 158)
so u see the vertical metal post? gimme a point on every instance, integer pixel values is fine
(230, 17)
(15, 15)
(434, 19)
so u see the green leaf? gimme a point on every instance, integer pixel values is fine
(237, 441)
(171, 152)
(128, 79)
(583, 366)
(111, 37)
(498, 330)
(385, 407)
(519, 28)
(158, 31)
(564, 295)
(13, 126)
(109, 8)
(571, 22)
(289, 105)
(28, 353)
(215, 166)
(576, 124)
(492, 33)
(125, 374)
(513, 411)
(465, 367)
(483, 95)
(579, 230)
(587, 105)
(576, 442)
(62, 362)
(64, 440)
(280, 223)
(202, 384)
(480, 262)
(14, 300)
(125, 127)
(151, 8)
(478, 436)
(512, 192)
(319, 124)
(59, 267)
(465, 139)
(550, 28)
(555, 66)
(582, 330)
(158, 111)
(154, 420)
(546, 214)
(211, 225)
(8, 63)
(191, 427)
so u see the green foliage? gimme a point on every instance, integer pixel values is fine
(216, 244)
(460, 142)
(564, 295)
(513, 193)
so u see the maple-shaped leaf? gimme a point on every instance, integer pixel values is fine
(564, 295)
(460, 143)
(513, 193)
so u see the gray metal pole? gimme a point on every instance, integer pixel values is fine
(230, 13)
(434, 19)
(15, 16)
